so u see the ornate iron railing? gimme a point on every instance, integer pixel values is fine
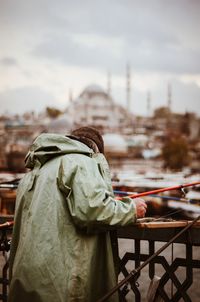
(138, 235)
(5, 240)
(178, 290)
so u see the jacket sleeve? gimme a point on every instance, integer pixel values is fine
(89, 200)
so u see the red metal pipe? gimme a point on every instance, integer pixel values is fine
(161, 190)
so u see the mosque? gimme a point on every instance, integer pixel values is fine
(95, 107)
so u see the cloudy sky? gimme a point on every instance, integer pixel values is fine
(49, 48)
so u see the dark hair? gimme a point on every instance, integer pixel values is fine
(85, 134)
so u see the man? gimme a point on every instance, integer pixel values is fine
(61, 246)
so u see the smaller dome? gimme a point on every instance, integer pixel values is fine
(61, 124)
(114, 143)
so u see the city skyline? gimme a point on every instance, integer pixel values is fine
(51, 49)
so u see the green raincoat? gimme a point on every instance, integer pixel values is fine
(61, 248)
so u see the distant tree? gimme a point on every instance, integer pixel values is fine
(186, 122)
(175, 153)
(53, 112)
(162, 112)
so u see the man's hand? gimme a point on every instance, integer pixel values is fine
(140, 207)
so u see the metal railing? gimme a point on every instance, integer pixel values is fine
(138, 235)
(5, 241)
(171, 287)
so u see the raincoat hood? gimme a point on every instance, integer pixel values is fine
(47, 146)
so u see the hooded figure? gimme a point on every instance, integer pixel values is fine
(61, 247)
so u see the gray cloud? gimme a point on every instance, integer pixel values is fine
(185, 97)
(8, 61)
(113, 17)
(154, 36)
(74, 53)
(144, 55)
(152, 33)
(25, 99)
(164, 58)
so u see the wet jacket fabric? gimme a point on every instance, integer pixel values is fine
(61, 248)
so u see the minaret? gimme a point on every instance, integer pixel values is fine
(169, 96)
(109, 84)
(148, 103)
(70, 96)
(128, 87)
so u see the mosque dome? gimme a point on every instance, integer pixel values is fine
(93, 88)
(92, 91)
(114, 143)
(61, 124)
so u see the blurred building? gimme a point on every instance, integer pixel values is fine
(125, 136)
(115, 145)
(95, 107)
(19, 136)
(3, 162)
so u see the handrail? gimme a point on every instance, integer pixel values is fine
(138, 269)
